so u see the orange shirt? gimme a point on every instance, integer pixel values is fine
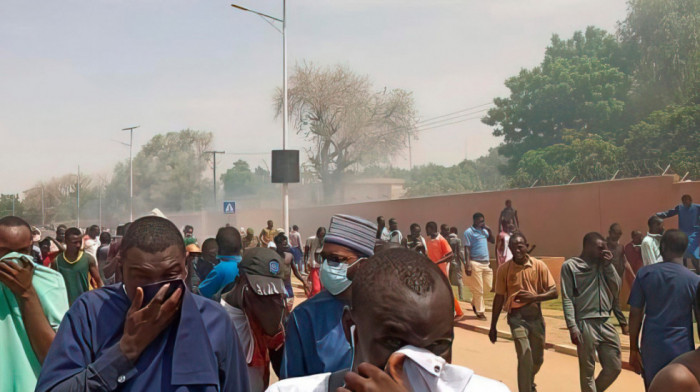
(533, 276)
(437, 249)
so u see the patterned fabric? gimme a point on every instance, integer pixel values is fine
(353, 232)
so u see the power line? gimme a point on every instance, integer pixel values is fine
(444, 125)
(458, 111)
(428, 123)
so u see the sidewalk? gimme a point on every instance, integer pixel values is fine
(558, 338)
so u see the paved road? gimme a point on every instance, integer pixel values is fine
(558, 374)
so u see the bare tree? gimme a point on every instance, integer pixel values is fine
(345, 121)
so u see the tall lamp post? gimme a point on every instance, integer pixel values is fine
(283, 21)
(131, 172)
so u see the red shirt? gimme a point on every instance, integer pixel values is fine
(437, 249)
(634, 256)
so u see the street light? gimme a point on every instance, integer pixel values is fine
(267, 18)
(131, 172)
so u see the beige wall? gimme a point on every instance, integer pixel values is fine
(554, 218)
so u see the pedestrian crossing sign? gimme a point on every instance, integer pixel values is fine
(229, 207)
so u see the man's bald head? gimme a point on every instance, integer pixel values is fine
(673, 244)
(15, 235)
(399, 298)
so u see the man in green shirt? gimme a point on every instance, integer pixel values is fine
(34, 298)
(78, 268)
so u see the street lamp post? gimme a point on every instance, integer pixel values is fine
(267, 18)
(131, 172)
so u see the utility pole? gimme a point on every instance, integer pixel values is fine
(43, 215)
(78, 196)
(13, 204)
(100, 196)
(213, 157)
(285, 115)
(131, 172)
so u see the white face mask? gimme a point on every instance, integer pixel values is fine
(424, 371)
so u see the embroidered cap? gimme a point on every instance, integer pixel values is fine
(352, 232)
(263, 268)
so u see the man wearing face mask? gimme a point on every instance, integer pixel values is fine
(404, 341)
(256, 307)
(33, 300)
(117, 338)
(315, 340)
(589, 285)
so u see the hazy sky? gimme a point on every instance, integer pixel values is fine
(74, 73)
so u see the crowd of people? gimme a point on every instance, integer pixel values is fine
(153, 309)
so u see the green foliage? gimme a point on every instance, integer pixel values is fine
(585, 157)
(169, 174)
(239, 180)
(665, 37)
(569, 90)
(6, 202)
(670, 135)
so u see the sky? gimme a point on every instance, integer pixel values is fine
(74, 73)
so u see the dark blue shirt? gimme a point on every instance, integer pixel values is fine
(315, 342)
(222, 275)
(688, 217)
(199, 351)
(666, 292)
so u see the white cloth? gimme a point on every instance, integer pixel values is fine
(423, 371)
(315, 383)
(427, 372)
(386, 235)
(651, 253)
(90, 247)
(395, 236)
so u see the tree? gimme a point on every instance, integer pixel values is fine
(239, 180)
(569, 90)
(583, 157)
(169, 173)
(671, 136)
(665, 35)
(6, 205)
(345, 120)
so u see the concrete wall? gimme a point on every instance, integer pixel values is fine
(555, 218)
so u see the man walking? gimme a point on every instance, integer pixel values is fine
(622, 268)
(479, 273)
(228, 240)
(650, 244)
(315, 340)
(267, 234)
(295, 248)
(633, 252)
(78, 268)
(689, 223)
(589, 285)
(664, 296)
(312, 259)
(521, 284)
(33, 300)
(509, 215)
(458, 262)
(440, 253)
(394, 232)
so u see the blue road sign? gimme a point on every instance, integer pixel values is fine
(229, 207)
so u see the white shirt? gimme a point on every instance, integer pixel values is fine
(651, 254)
(319, 383)
(315, 246)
